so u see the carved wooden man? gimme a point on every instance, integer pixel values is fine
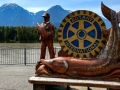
(47, 32)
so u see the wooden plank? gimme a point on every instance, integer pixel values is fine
(74, 82)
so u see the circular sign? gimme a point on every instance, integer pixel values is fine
(80, 34)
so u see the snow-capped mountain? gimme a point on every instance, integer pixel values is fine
(57, 14)
(12, 14)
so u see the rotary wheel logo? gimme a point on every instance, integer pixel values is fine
(80, 34)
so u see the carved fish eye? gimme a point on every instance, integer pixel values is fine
(58, 63)
(55, 63)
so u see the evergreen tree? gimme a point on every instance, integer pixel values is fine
(21, 34)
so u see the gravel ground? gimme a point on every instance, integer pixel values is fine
(15, 77)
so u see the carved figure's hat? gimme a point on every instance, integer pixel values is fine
(46, 15)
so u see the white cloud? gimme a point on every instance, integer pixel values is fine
(36, 9)
(115, 7)
(81, 0)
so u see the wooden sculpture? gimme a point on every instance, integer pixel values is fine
(68, 67)
(98, 68)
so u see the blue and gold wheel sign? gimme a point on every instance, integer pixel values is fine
(80, 34)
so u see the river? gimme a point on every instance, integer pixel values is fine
(23, 45)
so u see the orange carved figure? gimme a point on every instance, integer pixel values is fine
(47, 32)
(68, 67)
(90, 68)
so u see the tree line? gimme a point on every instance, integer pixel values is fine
(20, 34)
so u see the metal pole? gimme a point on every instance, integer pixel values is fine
(25, 56)
(55, 50)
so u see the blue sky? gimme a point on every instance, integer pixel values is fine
(38, 5)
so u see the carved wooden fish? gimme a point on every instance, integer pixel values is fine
(85, 68)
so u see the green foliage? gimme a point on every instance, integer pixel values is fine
(20, 34)
(2, 34)
(56, 37)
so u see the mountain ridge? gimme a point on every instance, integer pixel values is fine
(12, 14)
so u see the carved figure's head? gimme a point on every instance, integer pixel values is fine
(47, 15)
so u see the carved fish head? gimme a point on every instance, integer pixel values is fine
(56, 65)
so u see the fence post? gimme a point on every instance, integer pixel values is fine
(25, 56)
(55, 50)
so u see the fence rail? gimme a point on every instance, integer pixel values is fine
(22, 55)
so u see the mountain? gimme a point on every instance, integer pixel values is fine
(57, 14)
(14, 15)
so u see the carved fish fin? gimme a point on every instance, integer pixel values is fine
(107, 12)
